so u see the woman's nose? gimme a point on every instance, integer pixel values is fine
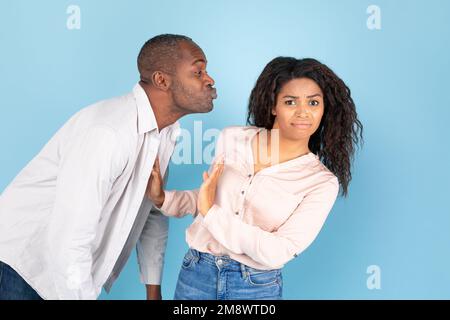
(301, 110)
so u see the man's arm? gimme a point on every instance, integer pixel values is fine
(83, 185)
(151, 248)
(153, 292)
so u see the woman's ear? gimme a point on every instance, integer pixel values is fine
(274, 112)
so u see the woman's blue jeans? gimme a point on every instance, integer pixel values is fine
(207, 277)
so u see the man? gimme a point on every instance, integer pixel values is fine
(69, 220)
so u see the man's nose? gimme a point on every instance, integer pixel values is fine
(209, 80)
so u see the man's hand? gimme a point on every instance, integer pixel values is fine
(207, 192)
(155, 186)
(153, 292)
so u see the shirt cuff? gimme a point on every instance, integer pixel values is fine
(151, 274)
(168, 198)
(211, 216)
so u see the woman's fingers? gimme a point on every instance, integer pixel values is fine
(155, 174)
(215, 174)
(218, 169)
(205, 176)
(220, 159)
(156, 169)
(156, 165)
(209, 178)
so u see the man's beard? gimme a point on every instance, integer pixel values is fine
(186, 100)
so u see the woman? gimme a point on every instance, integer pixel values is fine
(271, 187)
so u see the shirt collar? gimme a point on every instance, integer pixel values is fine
(146, 117)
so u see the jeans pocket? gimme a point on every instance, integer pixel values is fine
(188, 260)
(263, 277)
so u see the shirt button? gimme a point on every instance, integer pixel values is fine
(242, 192)
(236, 213)
(249, 175)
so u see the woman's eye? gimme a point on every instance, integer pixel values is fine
(314, 103)
(290, 102)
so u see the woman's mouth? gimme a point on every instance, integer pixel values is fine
(302, 125)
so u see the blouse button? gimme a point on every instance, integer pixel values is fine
(236, 213)
(242, 192)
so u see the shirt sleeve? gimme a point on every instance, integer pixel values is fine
(87, 171)
(180, 203)
(274, 249)
(152, 243)
(151, 247)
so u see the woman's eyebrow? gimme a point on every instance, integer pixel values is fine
(308, 97)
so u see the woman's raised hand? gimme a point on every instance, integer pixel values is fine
(207, 192)
(155, 186)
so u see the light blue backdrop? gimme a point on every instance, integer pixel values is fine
(397, 216)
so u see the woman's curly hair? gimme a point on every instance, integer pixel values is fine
(339, 131)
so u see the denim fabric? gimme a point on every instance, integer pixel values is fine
(207, 277)
(13, 286)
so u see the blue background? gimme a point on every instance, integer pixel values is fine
(397, 215)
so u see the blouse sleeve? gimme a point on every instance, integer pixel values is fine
(180, 203)
(274, 249)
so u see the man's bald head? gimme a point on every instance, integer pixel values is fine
(160, 53)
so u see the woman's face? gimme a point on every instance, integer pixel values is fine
(299, 109)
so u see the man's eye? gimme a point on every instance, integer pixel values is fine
(314, 103)
(290, 102)
(198, 73)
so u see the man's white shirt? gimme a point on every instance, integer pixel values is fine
(65, 218)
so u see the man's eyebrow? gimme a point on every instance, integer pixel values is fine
(199, 60)
(291, 97)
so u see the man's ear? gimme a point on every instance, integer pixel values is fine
(161, 80)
